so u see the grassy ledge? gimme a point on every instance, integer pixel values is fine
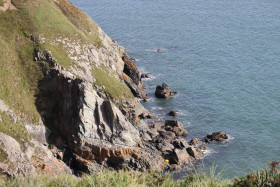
(113, 86)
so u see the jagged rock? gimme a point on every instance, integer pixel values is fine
(179, 156)
(176, 127)
(216, 136)
(164, 146)
(196, 153)
(17, 161)
(136, 90)
(173, 113)
(165, 136)
(163, 91)
(131, 70)
(180, 143)
(196, 142)
(145, 75)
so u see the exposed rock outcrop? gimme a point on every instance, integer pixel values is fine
(163, 91)
(216, 136)
(196, 142)
(173, 113)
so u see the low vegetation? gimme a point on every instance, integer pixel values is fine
(113, 85)
(2, 2)
(19, 73)
(15, 129)
(264, 178)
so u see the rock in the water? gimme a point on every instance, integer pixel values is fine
(159, 50)
(173, 113)
(216, 136)
(196, 142)
(145, 75)
(163, 91)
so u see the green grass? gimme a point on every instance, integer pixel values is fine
(3, 154)
(19, 74)
(14, 129)
(113, 85)
(2, 2)
(131, 178)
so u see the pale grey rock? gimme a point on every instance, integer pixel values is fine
(18, 162)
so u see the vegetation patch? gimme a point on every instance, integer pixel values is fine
(2, 2)
(113, 85)
(14, 129)
(3, 154)
(131, 178)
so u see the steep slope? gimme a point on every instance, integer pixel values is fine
(67, 86)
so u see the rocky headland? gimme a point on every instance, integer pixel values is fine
(70, 99)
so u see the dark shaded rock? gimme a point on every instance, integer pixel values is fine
(159, 50)
(196, 141)
(173, 123)
(216, 136)
(173, 113)
(131, 70)
(165, 136)
(163, 91)
(135, 89)
(145, 75)
(146, 116)
(180, 143)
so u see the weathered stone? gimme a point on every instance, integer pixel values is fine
(195, 152)
(17, 161)
(163, 91)
(176, 127)
(173, 123)
(181, 156)
(164, 146)
(131, 70)
(196, 142)
(180, 143)
(216, 136)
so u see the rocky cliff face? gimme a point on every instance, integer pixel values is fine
(87, 98)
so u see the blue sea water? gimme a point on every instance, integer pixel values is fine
(223, 58)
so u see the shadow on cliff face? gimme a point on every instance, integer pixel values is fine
(57, 102)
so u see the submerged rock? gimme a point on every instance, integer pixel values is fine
(173, 113)
(163, 91)
(216, 136)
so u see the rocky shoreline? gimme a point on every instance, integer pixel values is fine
(89, 114)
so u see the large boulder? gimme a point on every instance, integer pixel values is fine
(163, 91)
(216, 136)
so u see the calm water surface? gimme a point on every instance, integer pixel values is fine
(223, 57)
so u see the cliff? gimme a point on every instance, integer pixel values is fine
(69, 98)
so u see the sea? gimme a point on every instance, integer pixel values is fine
(223, 59)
